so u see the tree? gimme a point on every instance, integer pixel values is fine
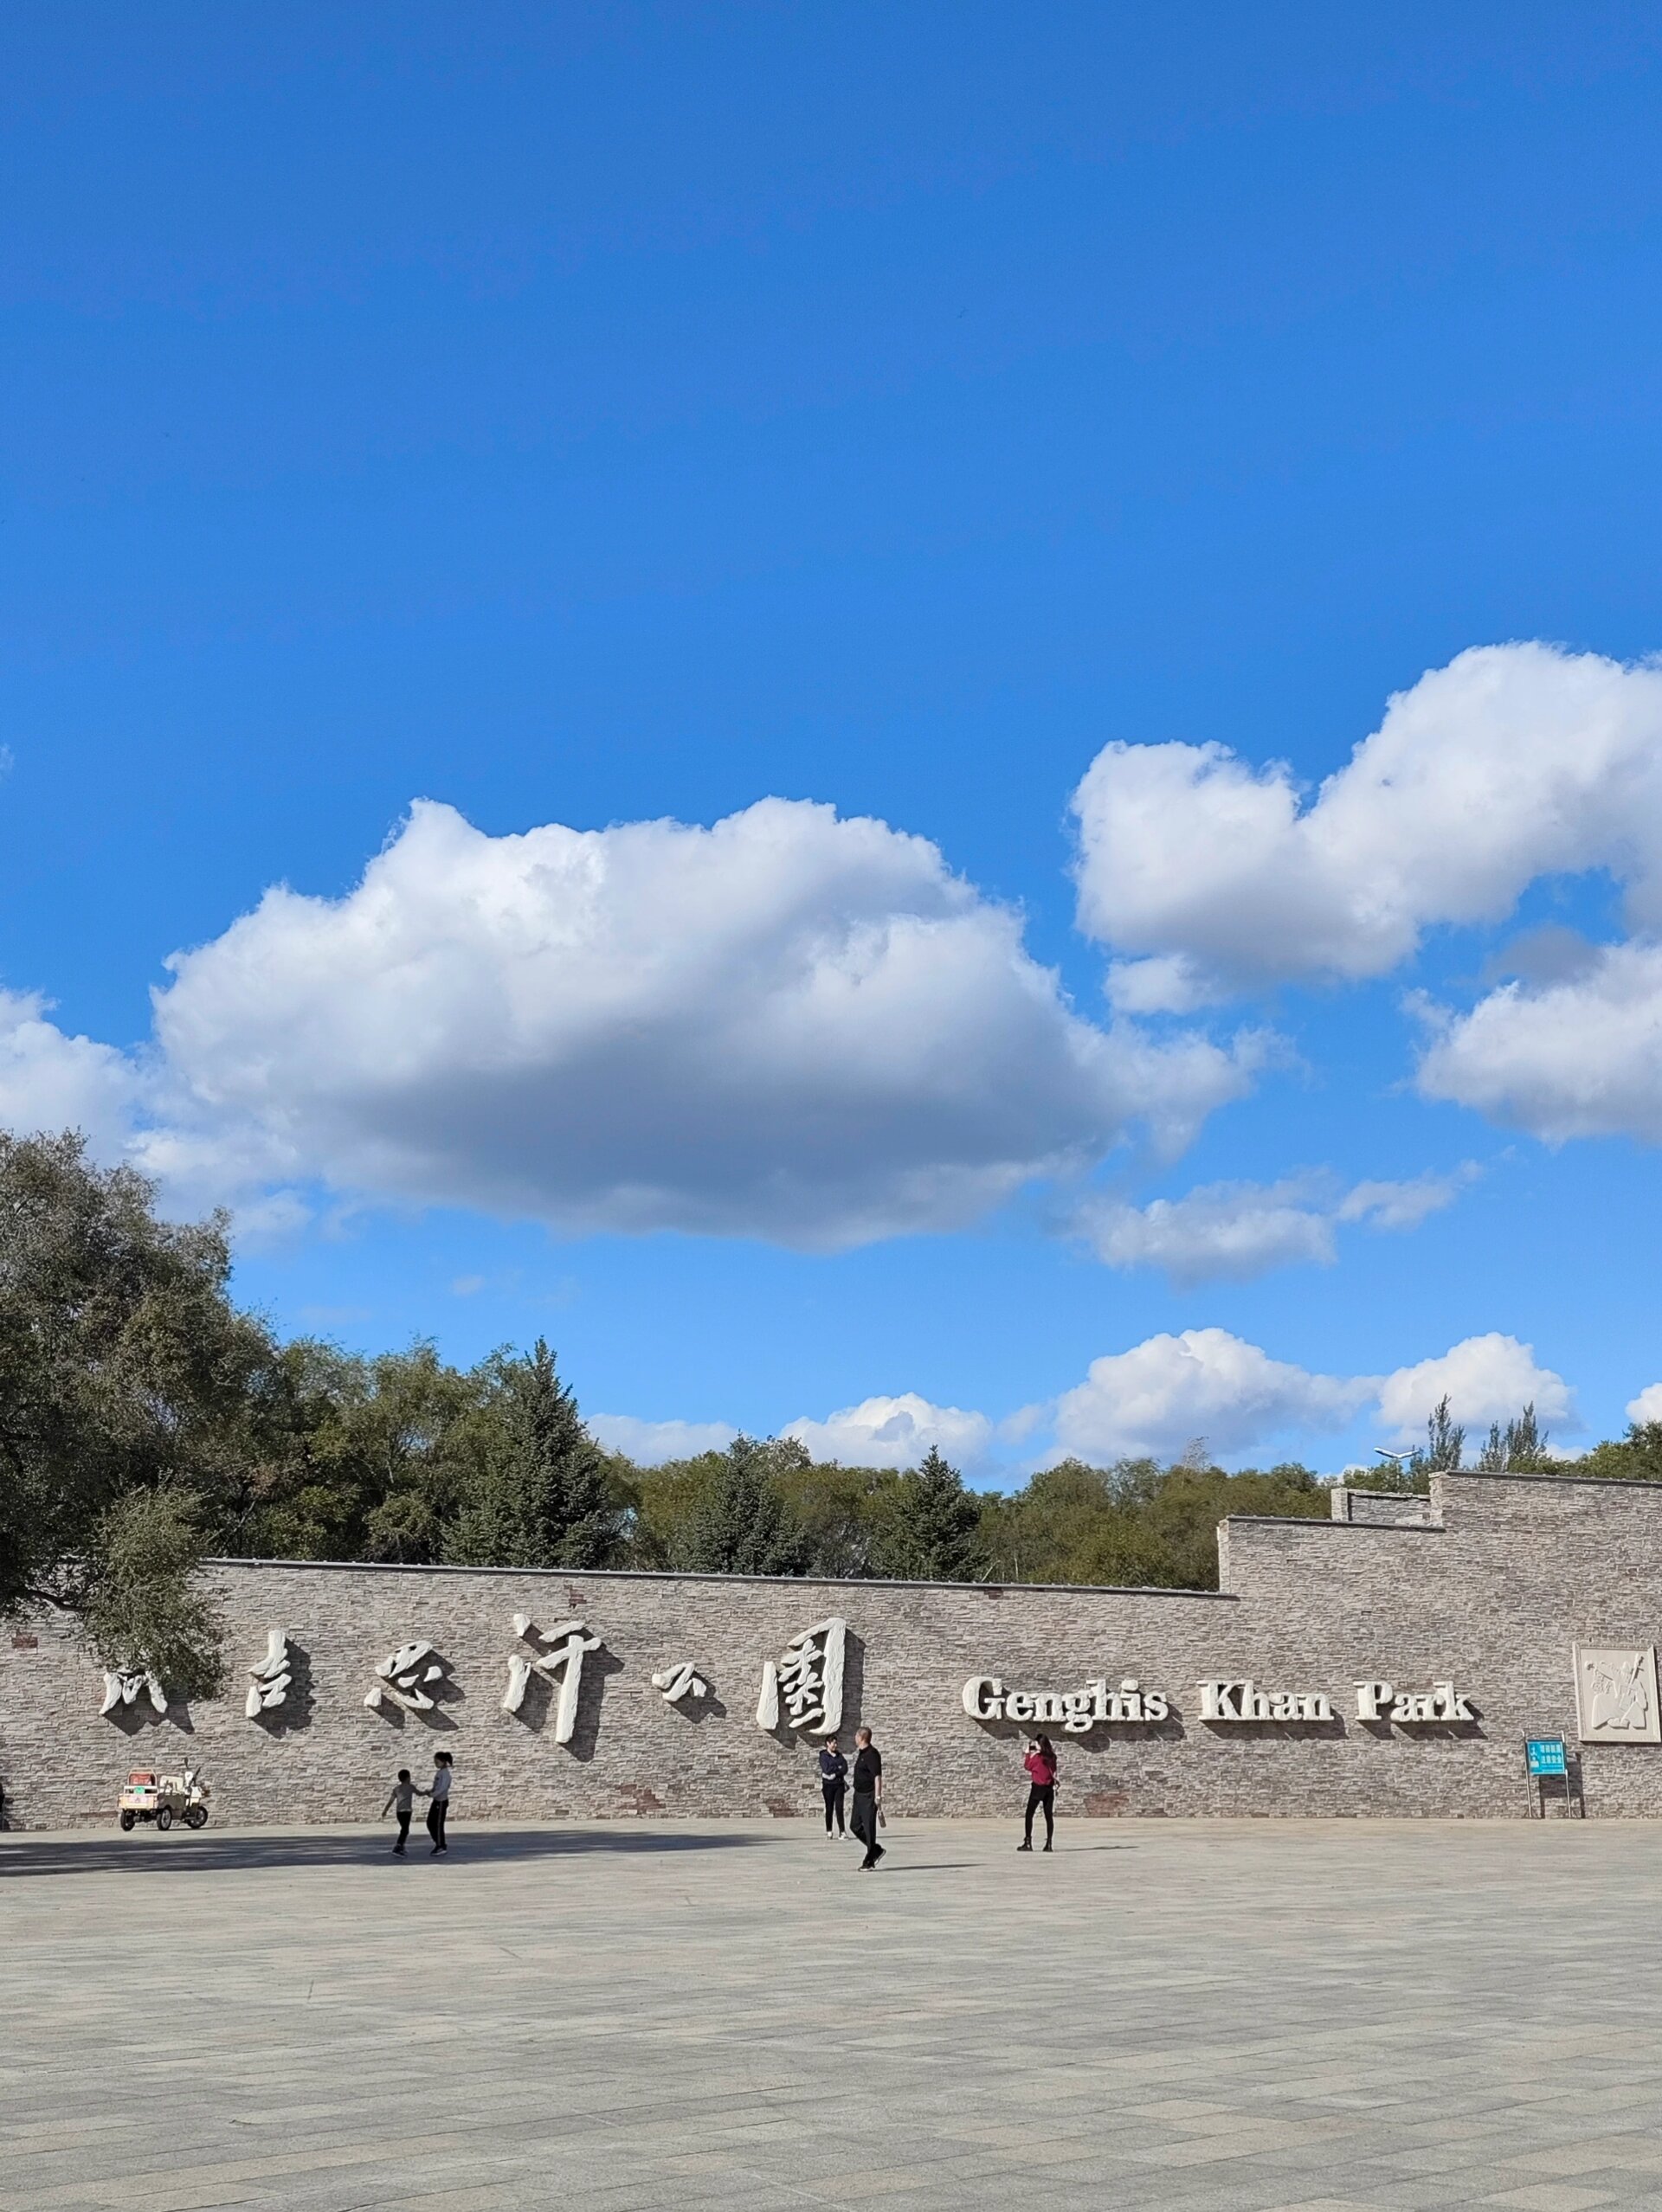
(548, 1499)
(127, 1384)
(144, 1603)
(741, 1524)
(931, 1529)
(1520, 1444)
(1445, 1444)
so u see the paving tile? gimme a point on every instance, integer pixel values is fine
(1255, 2017)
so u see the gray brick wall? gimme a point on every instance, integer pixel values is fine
(1516, 1569)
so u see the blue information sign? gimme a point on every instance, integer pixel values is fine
(1546, 1755)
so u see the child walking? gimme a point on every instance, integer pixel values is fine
(403, 1800)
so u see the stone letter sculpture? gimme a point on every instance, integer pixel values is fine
(404, 1676)
(810, 1677)
(123, 1684)
(269, 1680)
(681, 1680)
(561, 1658)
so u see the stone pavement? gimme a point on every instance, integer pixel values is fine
(1165, 2015)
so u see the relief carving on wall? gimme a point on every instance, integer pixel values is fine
(1615, 1695)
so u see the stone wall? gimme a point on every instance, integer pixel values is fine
(1490, 1595)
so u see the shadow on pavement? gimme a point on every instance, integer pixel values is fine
(249, 1849)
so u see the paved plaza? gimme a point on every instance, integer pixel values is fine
(1165, 2014)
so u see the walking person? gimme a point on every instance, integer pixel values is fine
(867, 1810)
(833, 1782)
(1043, 1766)
(439, 1804)
(403, 1800)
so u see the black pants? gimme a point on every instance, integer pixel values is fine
(863, 1821)
(833, 1795)
(1042, 1794)
(403, 1831)
(436, 1813)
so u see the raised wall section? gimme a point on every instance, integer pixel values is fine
(1513, 1572)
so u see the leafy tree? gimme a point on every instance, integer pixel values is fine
(145, 1602)
(1520, 1444)
(840, 1511)
(930, 1526)
(125, 1373)
(1136, 1524)
(548, 1499)
(1445, 1444)
(741, 1523)
(1636, 1458)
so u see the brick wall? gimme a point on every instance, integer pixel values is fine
(1492, 1594)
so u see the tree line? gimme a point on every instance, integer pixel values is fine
(147, 1422)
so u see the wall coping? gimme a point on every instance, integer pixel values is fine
(1545, 1475)
(1350, 1528)
(670, 1574)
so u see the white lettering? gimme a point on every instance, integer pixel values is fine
(1379, 1700)
(1245, 1700)
(983, 1698)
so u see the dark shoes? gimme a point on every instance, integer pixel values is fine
(1024, 1847)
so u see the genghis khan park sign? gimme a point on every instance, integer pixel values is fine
(985, 1698)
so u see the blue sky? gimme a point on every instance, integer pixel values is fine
(594, 417)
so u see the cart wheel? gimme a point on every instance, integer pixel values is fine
(128, 1819)
(196, 1817)
(165, 1817)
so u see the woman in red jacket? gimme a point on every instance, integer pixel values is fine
(1042, 1767)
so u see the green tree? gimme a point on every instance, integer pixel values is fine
(146, 1604)
(1522, 1445)
(1636, 1458)
(128, 1382)
(548, 1498)
(930, 1530)
(741, 1523)
(1445, 1446)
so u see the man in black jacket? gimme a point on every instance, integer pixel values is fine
(868, 1796)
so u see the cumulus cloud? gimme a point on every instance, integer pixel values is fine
(896, 1432)
(1485, 1378)
(1158, 1397)
(1232, 1232)
(649, 1444)
(1155, 1398)
(1572, 1058)
(1648, 1407)
(51, 1081)
(1513, 762)
(787, 1025)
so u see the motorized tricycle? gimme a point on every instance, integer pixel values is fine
(165, 1798)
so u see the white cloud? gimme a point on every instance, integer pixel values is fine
(896, 1432)
(786, 1025)
(649, 1444)
(1485, 1378)
(1648, 1407)
(50, 1081)
(1574, 1059)
(1513, 762)
(1153, 1399)
(1232, 1232)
